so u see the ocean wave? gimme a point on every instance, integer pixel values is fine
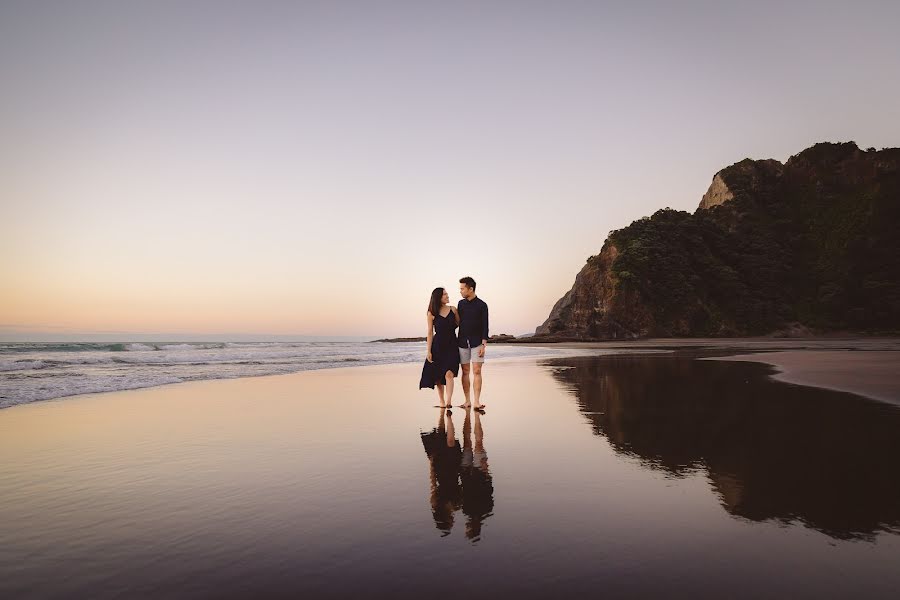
(136, 347)
(49, 390)
(24, 347)
(189, 346)
(21, 365)
(21, 347)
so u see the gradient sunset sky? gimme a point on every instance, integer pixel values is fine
(317, 168)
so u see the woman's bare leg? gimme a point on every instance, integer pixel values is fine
(440, 389)
(451, 431)
(448, 376)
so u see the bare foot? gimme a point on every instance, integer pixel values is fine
(481, 407)
(466, 405)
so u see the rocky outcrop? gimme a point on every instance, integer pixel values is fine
(805, 246)
(718, 193)
(501, 338)
(747, 176)
(593, 308)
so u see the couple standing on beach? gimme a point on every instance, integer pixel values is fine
(445, 350)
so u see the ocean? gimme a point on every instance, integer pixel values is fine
(31, 372)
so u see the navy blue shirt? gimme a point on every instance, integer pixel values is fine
(473, 322)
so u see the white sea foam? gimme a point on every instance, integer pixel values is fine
(138, 347)
(189, 346)
(72, 386)
(21, 365)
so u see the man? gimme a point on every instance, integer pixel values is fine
(473, 338)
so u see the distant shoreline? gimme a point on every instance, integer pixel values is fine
(736, 343)
(549, 340)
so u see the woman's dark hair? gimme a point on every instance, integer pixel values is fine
(434, 305)
(469, 282)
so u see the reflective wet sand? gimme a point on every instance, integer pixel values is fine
(623, 475)
(873, 374)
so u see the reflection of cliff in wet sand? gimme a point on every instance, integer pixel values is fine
(772, 451)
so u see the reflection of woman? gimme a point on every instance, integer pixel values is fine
(477, 483)
(442, 353)
(444, 454)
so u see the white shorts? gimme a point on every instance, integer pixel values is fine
(468, 354)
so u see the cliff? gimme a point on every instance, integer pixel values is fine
(808, 245)
(593, 308)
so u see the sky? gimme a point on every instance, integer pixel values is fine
(317, 168)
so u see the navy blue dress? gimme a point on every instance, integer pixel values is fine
(444, 352)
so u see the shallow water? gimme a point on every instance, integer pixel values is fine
(615, 475)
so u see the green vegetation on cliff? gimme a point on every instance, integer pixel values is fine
(814, 241)
(811, 242)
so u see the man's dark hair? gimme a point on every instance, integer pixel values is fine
(469, 282)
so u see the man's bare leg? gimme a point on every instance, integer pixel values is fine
(467, 430)
(477, 368)
(479, 443)
(465, 384)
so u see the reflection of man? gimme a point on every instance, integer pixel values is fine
(472, 337)
(443, 453)
(477, 483)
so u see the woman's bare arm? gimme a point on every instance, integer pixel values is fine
(429, 319)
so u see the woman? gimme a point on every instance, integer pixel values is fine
(442, 353)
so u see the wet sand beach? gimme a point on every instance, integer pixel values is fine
(874, 374)
(631, 475)
(869, 367)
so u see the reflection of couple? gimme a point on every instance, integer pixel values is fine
(445, 350)
(460, 478)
